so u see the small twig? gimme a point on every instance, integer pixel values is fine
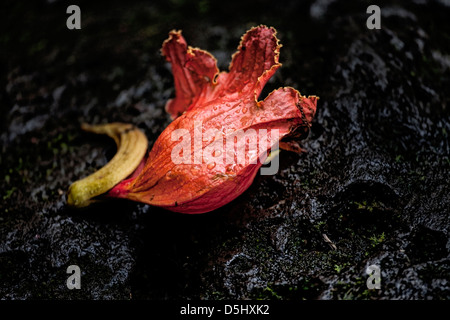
(327, 240)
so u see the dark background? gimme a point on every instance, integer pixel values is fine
(374, 180)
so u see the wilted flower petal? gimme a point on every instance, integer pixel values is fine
(212, 112)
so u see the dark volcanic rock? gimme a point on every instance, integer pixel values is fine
(372, 188)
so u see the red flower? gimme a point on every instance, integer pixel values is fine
(188, 174)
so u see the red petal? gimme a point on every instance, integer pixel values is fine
(196, 188)
(193, 69)
(254, 63)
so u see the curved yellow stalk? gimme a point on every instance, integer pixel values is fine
(132, 145)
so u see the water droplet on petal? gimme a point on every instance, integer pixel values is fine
(211, 166)
(230, 169)
(244, 109)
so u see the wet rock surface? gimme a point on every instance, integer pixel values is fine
(372, 188)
